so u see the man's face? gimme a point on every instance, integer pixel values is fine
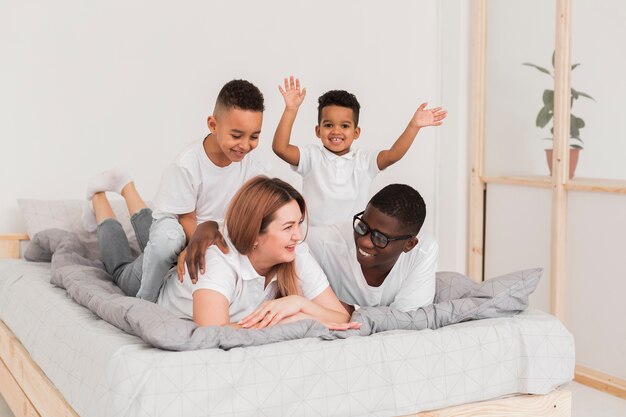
(371, 256)
(236, 132)
(337, 130)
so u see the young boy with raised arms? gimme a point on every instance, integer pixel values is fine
(335, 177)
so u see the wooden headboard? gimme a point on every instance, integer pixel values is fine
(10, 245)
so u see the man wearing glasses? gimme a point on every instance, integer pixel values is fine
(380, 259)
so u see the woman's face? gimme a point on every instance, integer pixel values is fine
(278, 243)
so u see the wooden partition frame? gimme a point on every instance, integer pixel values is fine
(559, 182)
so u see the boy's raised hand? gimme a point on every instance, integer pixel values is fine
(291, 93)
(428, 117)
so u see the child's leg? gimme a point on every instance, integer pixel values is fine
(140, 214)
(167, 240)
(114, 248)
(112, 180)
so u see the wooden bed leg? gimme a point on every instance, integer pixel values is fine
(27, 377)
(13, 395)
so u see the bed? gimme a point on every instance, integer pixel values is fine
(59, 359)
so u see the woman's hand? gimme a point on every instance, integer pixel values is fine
(271, 312)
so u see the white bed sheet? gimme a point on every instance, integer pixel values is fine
(103, 371)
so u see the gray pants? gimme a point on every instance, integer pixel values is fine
(117, 256)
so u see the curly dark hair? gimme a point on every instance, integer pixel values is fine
(403, 203)
(240, 94)
(339, 98)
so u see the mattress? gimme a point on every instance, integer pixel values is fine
(103, 371)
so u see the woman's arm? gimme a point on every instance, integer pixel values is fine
(325, 308)
(210, 308)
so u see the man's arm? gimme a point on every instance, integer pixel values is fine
(293, 99)
(349, 308)
(423, 117)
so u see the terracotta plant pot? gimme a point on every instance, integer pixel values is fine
(573, 160)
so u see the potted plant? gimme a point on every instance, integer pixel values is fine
(547, 112)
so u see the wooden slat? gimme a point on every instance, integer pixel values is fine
(600, 381)
(10, 245)
(13, 395)
(541, 182)
(477, 186)
(560, 171)
(556, 404)
(43, 395)
(597, 185)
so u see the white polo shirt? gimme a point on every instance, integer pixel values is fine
(409, 285)
(193, 182)
(335, 187)
(233, 276)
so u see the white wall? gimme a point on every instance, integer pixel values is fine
(596, 280)
(517, 235)
(89, 85)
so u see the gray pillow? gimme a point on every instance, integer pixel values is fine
(67, 215)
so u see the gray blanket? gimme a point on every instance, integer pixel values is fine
(76, 267)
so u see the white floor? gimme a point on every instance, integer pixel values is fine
(586, 402)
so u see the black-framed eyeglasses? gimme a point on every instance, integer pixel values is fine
(379, 239)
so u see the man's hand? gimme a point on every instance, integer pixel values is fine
(353, 325)
(206, 234)
(292, 94)
(428, 117)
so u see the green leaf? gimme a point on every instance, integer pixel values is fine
(573, 144)
(553, 55)
(543, 117)
(575, 124)
(574, 94)
(542, 69)
(580, 93)
(548, 98)
(574, 66)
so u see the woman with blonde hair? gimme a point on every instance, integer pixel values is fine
(265, 278)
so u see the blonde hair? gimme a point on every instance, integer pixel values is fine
(249, 213)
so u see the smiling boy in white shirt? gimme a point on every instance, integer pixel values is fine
(335, 177)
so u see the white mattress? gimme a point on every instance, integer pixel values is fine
(102, 371)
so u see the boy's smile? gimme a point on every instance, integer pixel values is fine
(337, 129)
(235, 133)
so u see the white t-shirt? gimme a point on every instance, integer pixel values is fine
(193, 182)
(233, 276)
(335, 187)
(409, 285)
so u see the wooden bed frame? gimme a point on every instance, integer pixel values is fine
(29, 393)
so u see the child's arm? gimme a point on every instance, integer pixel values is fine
(189, 223)
(293, 99)
(422, 117)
